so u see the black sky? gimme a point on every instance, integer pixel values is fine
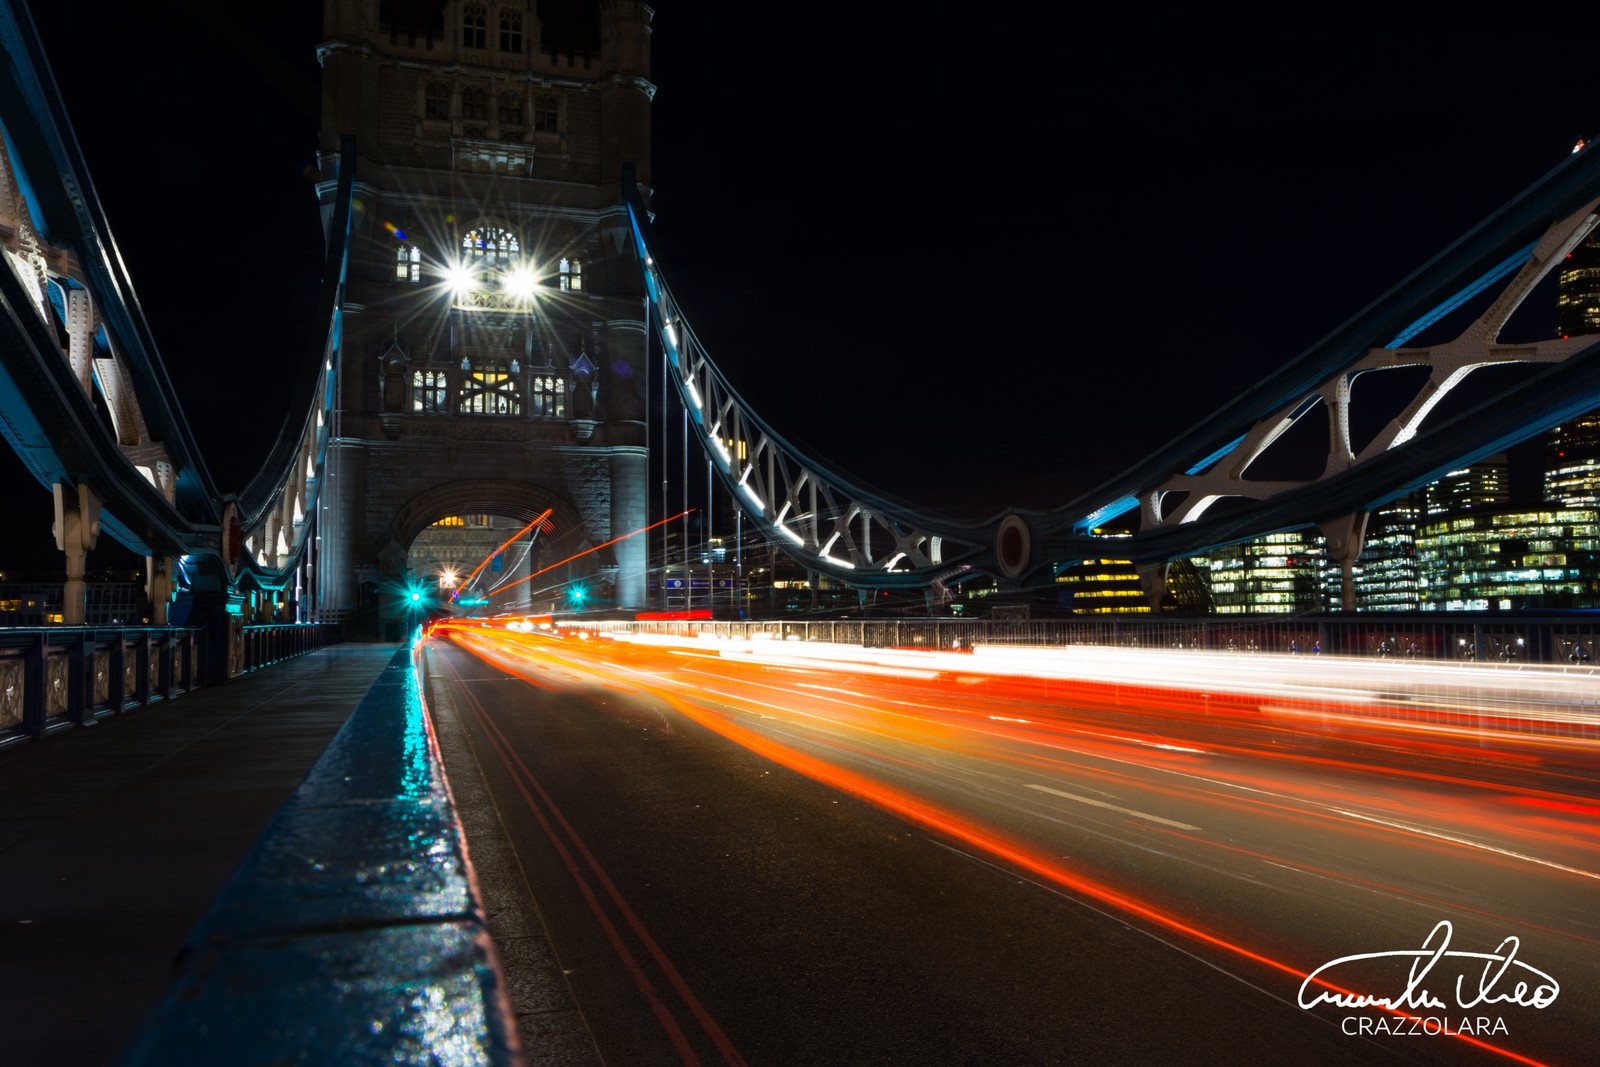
(972, 259)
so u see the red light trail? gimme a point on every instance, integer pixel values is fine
(1324, 781)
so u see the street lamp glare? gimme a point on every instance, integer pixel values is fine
(522, 283)
(459, 277)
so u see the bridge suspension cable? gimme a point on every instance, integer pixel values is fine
(864, 538)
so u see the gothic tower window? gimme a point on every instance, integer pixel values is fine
(408, 264)
(547, 397)
(544, 113)
(510, 110)
(474, 105)
(490, 252)
(489, 390)
(474, 27)
(436, 101)
(510, 32)
(571, 275)
(428, 392)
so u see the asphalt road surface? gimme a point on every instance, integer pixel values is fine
(743, 856)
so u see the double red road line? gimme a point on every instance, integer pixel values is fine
(588, 874)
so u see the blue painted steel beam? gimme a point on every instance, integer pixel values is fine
(69, 214)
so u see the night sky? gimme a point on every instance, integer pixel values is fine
(974, 261)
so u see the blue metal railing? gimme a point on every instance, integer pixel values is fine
(57, 677)
(54, 678)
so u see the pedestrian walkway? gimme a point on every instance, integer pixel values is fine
(114, 840)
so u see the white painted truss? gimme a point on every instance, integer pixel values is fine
(1448, 365)
(818, 518)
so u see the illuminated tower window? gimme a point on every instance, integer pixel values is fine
(490, 390)
(490, 253)
(510, 32)
(491, 247)
(544, 114)
(547, 397)
(474, 27)
(571, 275)
(428, 392)
(408, 264)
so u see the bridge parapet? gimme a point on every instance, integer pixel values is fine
(55, 678)
(353, 932)
(59, 677)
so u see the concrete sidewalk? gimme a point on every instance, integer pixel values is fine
(115, 839)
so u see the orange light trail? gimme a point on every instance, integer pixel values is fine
(921, 709)
(596, 548)
(541, 517)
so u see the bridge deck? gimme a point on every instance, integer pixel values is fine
(114, 841)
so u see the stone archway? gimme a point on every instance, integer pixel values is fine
(488, 511)
(470, 495)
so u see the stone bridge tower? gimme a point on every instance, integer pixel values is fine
(494, 330)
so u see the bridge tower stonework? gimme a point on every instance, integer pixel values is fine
(494, 327)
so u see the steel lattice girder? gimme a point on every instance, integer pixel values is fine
(816, 515)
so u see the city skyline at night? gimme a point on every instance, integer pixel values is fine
(1042, 378)
(598, 668)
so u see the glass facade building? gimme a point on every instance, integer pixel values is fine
(1386, 575)
(1572, 463)
(1279, 574)
(1543, 559)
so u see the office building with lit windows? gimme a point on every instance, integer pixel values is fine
(1578, 290)
(1506, 559)
(1101, 587)
(1572, 463)
(1279, 574)
(1386, 574)
(1572, 450)
(1113, 587)
(1485, 484)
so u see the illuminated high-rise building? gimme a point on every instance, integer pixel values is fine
(1386, 574)
(1578, 295)
(1506, 559)
(1279, 574)
(1485, 484)
(1113, 587)
(1572, 466)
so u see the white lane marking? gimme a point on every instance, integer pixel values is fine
(1111, 807)
(1466, 841)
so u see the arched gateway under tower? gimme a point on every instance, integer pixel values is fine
(495, 350)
